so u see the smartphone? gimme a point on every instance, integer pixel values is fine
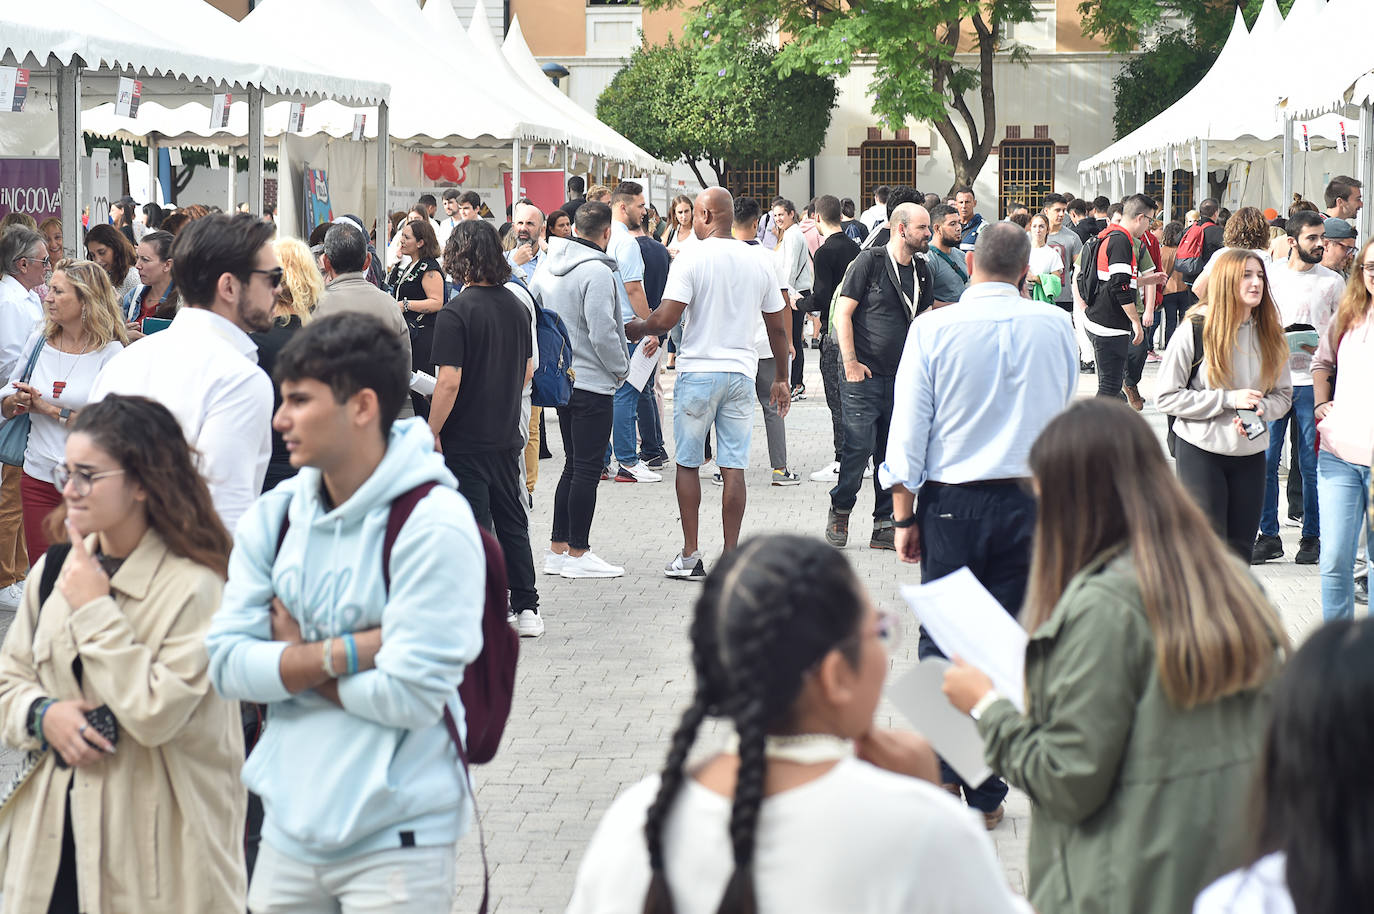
(1254, 426)
(154, 324)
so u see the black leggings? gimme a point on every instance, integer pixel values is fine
(1228, 489)
(585, 424)
(798, 337)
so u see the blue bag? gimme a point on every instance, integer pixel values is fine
(14, 434)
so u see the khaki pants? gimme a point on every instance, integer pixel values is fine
(532, 450)
(14, 560)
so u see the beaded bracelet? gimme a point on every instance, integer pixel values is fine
(351, 648)
(327, 661)
(43, 712)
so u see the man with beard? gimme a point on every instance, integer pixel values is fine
(1307, 294)
(947, 271)
(529, 248)
(885, 289)
(204, 366)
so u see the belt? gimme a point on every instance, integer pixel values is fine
(982, 483)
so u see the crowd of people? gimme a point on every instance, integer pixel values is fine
(254, 488)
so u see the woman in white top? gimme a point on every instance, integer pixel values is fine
(680, 234)
(787, 647)
(82, 330)
(1043, 258)
(1313, 832)
(107, 246)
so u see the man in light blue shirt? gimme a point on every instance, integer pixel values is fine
(627, 208)
(529, 250)
(977, 383)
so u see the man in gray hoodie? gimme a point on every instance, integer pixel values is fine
(576, 281)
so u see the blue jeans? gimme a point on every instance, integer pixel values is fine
(626, 445)
(1343, 491)
(650, 425)
(1305, 435)
(866, 415)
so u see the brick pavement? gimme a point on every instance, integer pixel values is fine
(599, 695)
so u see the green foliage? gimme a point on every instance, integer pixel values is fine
(1119, 22)
(669, 102)
(1153, 81)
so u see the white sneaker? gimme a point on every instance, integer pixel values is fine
(12, 596)
(717, 479)
(828, 473)
(589, 565)
(530, 624)
(637, 472)
(868, 473)
(553, 561)
(687, 567)
(708, 468)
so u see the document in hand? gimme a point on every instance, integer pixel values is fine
(966, 621)
(642, 366)
(1300, 338)
(953, 734)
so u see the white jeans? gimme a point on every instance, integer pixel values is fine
(409, 879)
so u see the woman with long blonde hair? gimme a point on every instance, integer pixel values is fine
(83, 329)
(1150, 651)
(680, 232)
(1223, 397)
(1345, 421)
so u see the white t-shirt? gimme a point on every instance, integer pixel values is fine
(1045, 260)
(855, 839)
(1307, 297)
(1259, 889)
(48, 436)
(726, 285)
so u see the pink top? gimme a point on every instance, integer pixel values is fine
(1348, 429)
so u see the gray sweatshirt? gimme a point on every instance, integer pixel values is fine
(1204, 414)
(576, 282)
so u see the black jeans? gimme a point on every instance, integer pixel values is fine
(1110, 354)
(1174, 304)
(1228, 489)
(1136, 355)
(798, 337)
(867, 415)
(585, 424)
(831, 375)
(490, 482)
(987, 528)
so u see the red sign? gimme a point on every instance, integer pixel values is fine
(543, 188)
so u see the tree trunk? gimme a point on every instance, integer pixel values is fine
(696, 170)
(968, 159)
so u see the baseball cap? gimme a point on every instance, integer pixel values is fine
(126, 200)
(1339, 229)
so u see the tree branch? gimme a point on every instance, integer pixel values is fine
(692, 164)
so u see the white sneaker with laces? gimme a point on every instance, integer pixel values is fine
(687, 567)
(708, 468)
(589, 565)
(553, 561)
(12, 596)
(529, 624)
(828, 473)
(637, 472)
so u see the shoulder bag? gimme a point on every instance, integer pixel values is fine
(14, 434)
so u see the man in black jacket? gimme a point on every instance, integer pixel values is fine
(886, 288)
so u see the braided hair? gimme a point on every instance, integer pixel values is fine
(769, 612)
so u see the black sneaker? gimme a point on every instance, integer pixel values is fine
(656, 463)
(1266, 548)
(1087, 368)
(1309, 551)
(837, 528)
(1362, 591)
(884, 536)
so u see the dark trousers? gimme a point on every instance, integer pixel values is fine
(867, 415)
(1110, 353)
(987, 528)
(798, 338)
(1136, 355)
(650, 425)
(585, 424)
(1295, 496)
(1174, 304)
(831, 375)
(1228, 489)
(490, 482)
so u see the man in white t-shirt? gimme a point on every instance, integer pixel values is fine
(725, 285)
(1307, 294)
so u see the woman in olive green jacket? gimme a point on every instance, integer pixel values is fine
(1151, 649)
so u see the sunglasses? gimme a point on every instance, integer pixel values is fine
(273, 275)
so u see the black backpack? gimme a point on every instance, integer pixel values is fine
(1086, 281)
(1196, 321)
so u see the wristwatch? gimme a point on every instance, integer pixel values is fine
(984, 703)
(64, 414)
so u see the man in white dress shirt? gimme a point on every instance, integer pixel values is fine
(204, 367)
(25, 263)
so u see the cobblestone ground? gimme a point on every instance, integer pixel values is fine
(599, 695)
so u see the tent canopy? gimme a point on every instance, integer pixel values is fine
(1345, 78)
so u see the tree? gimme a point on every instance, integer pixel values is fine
(1153, 81)
(912, 44)
(671, 106)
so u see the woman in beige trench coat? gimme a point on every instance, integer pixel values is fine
(153, 822)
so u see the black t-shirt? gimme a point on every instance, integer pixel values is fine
(485, 331)
(656, 264)
(270, 343)
(1116, 291)
(832, 258)
(882, 318)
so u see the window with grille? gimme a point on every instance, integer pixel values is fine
(1025, 173)
(889, 162)
(754, 179)
(1182, 198)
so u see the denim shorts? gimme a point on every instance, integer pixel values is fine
(724, 399)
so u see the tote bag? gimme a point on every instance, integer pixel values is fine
(14, 434)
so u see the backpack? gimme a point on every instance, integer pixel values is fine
(1196, 321)
(1085, 278)
(552, 383)
(1189, 260)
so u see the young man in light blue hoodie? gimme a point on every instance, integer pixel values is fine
(364, 796)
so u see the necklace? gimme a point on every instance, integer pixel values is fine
(60, 385)
(802, 748)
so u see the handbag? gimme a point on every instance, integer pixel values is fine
(14, 434)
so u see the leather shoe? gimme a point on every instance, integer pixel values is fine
(1133, 397)
(994, 818)
(1266, 548)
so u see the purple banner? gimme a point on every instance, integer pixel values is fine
(31, 186)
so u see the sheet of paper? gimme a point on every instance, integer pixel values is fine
(967, 621)
(1299, 338)
(952, 733)
(642, 366)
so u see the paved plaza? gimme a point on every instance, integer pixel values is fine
(599, 695)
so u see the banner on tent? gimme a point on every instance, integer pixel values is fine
(544, 188)
(219, 110)
(130, 94)
(317, 210)
(97, 185)
(14, 88)
(295, 122)
(359, 123)
(31, 186)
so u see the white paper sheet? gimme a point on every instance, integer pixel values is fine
(952, 733)
(642, 366)
(966, 621)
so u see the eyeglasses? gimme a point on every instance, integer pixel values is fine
(888, 631)
(81, 480)
(1368, 269)
(273, 275)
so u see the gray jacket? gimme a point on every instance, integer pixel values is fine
(576, 282)
(352, 292)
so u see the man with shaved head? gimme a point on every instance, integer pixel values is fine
(884, 290)
(528, 224)
(726, 286)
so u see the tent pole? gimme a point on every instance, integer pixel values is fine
(1364, 167)
(383, 176)
(1204, 188)
(565, 168)
(1140, 174)
(232, 204)
(69, 152)
(153, 166)
(1168, 183)
(514, 170)
(255, 151)
(1287, 162)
